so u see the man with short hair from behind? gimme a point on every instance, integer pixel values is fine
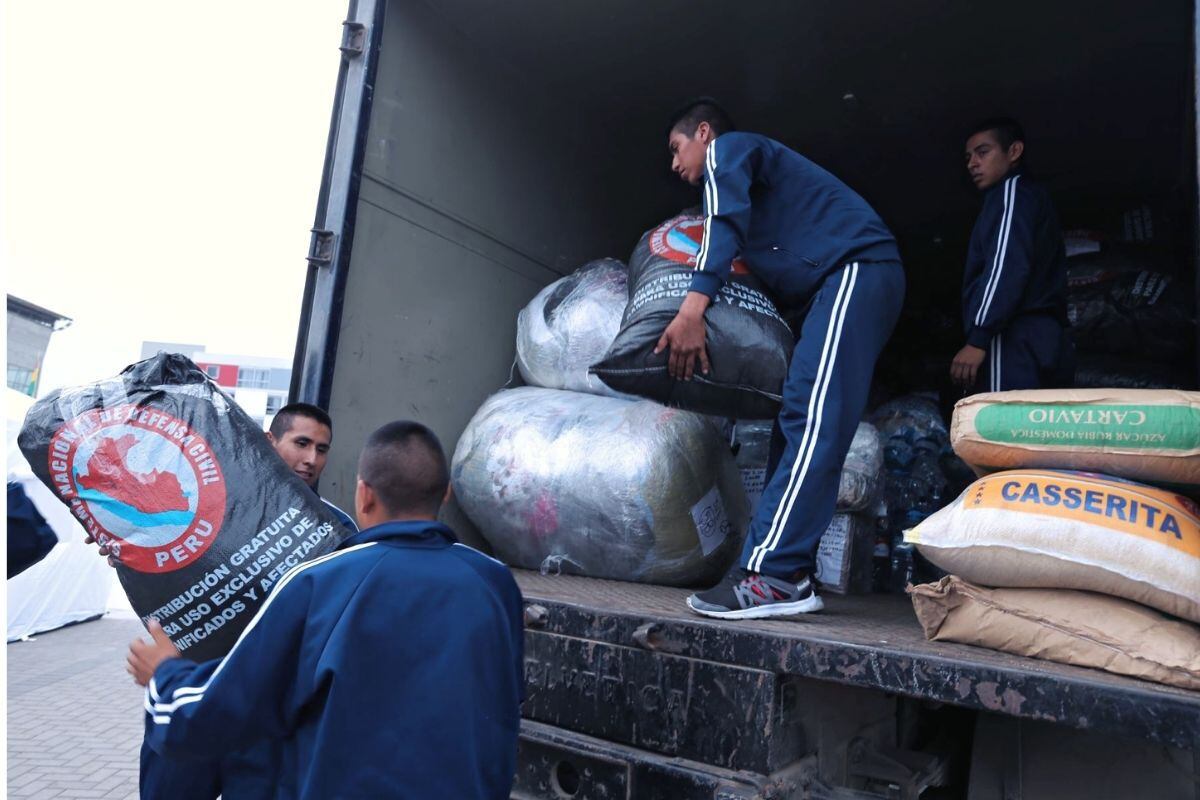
(302, 435)
(391, 667)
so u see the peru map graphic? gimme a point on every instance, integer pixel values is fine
(154, 492)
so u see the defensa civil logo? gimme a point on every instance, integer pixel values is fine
(142, 482)
(679, 240)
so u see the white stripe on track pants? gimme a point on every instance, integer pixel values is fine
(850, 320)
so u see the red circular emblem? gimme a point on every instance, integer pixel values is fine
(141, 482)
(679, 239)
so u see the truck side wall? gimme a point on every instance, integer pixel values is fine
(451, 241)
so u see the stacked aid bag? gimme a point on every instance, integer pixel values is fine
(748, 342)
(601, 486)
(1143, 435)
(1071, 530)
(570, 325)
(1022, 542)
(162, 467)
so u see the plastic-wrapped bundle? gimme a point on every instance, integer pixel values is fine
(601, 486)
(752, 439)
(570, 325)
(915, 441)
(748, 342)
(862, 473)
(163, 468)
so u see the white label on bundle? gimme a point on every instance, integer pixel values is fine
(831, 554)
(711, 522)
(755, 480)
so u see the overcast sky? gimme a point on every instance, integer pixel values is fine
(161, 168)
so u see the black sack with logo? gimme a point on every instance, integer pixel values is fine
(748, 342)
(171, 474)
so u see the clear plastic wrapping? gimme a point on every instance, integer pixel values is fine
(917, 456)
(570, 325)
(600, 486)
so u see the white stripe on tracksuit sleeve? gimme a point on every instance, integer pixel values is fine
(1009, 261)
(256, 691)
(728, 174)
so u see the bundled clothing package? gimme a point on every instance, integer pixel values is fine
(600, 486)
(161, 466)
(570, 324)
(748, 342)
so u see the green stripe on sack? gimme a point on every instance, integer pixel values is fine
(1136, 426)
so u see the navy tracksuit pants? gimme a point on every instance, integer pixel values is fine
(847, 325)
(1033, 352)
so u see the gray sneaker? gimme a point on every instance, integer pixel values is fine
(748, 595)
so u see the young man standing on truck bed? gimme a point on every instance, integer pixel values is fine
(1015, 282)
(812, 240)
(391, 667)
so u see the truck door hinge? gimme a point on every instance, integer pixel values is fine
(320, 248)
(354, 39)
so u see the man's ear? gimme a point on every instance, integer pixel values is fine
(271, 439)
(704, 133)
(1016, 150)
(365, 500)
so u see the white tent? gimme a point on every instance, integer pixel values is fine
(72, 583)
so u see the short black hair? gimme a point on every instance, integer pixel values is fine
(702, 109)
(403, 462)
(1007, 130)
(282, 422)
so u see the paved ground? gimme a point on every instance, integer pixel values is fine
(74, 715)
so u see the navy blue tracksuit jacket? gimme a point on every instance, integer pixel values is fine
(242, 775)
(812, 240)
(1014, 289)
(389, 668)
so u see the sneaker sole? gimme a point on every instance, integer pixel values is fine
(805, 606)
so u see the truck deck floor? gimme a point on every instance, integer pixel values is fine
(872, 641)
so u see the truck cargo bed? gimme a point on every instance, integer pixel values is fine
(870, 641)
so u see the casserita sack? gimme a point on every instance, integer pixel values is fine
(1140, 434)
(748, 342)
(1071, 530)
(600, 486)
(184, 487)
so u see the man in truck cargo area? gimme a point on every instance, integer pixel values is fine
(813, 241)
(1015, 281)
(391, 667)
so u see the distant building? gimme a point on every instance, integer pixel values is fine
(258, 384)
(29, 329)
